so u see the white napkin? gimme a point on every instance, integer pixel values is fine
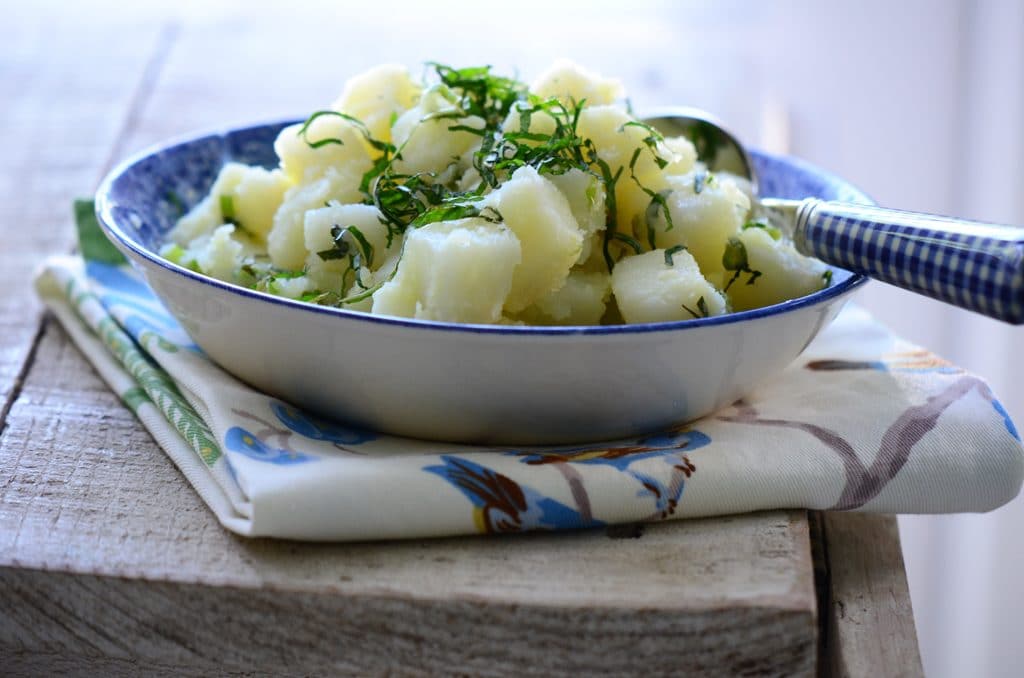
(862, 421)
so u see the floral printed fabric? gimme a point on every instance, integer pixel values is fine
(862, 421)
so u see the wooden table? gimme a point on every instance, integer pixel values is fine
(110, 564)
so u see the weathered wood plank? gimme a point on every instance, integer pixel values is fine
(66, 93)
(870, 621)
(106, 553)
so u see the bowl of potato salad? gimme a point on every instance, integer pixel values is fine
(465, 257)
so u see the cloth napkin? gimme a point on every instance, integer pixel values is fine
(861, 421)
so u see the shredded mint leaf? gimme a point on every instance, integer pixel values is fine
(671, 252)
(735, 256)
(702, 309)
(227, 209)
(631, 242)
(735, 259)
(363, 243)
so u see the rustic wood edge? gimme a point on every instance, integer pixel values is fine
(866, 617)
(123, 627)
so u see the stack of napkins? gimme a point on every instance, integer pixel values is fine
(862, 421)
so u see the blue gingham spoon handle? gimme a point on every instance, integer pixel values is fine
(972, 265)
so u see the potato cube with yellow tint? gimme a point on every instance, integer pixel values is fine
(377, 95)
(329, 142)
(706, 211)
(649, 290)
(569, 82)
(541, 219)
(582, 300)
(455, 271)
(783, 273)
(286, 240)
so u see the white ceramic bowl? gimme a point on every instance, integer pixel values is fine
(468, 383)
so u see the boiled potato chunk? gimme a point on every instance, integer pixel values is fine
(319, 222)
(286, 240)
(455, 271)
(292, 288)
(206, 215)
(221, 255)
(681, 156)
(317, 228)
(586, 197)
(369, 279)
(648, 290)
(256, 199)
(301, 162)
(617, 141)
(581, 301)
(426, 143)
(568, 81)
(785, 273)
(540, 216)
(253, 193)
(522, 118)
(706, 211)
(378, 94)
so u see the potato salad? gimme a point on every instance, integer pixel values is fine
(476, 198)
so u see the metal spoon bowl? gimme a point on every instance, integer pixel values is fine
(973, 265)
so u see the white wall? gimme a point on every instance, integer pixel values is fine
(922, 104)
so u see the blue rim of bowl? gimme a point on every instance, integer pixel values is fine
(104, 206)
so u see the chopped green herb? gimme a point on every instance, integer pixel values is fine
(363, 243)
(651, 141)
(702, 307)
(827, 277)
(227, 208)
(227, 211)
(591, 192)
(174, 254)
(671, 252)
(735, 259)
(340, 248)
(313, 296)
(629, 241)
(334, 253)
(480, 93)
(658, 199)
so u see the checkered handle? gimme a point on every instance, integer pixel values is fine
(972, 265)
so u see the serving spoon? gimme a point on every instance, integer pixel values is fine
(974, 265)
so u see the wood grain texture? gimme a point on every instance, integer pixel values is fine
(106, 553)
(870, 621)
(66, 94)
